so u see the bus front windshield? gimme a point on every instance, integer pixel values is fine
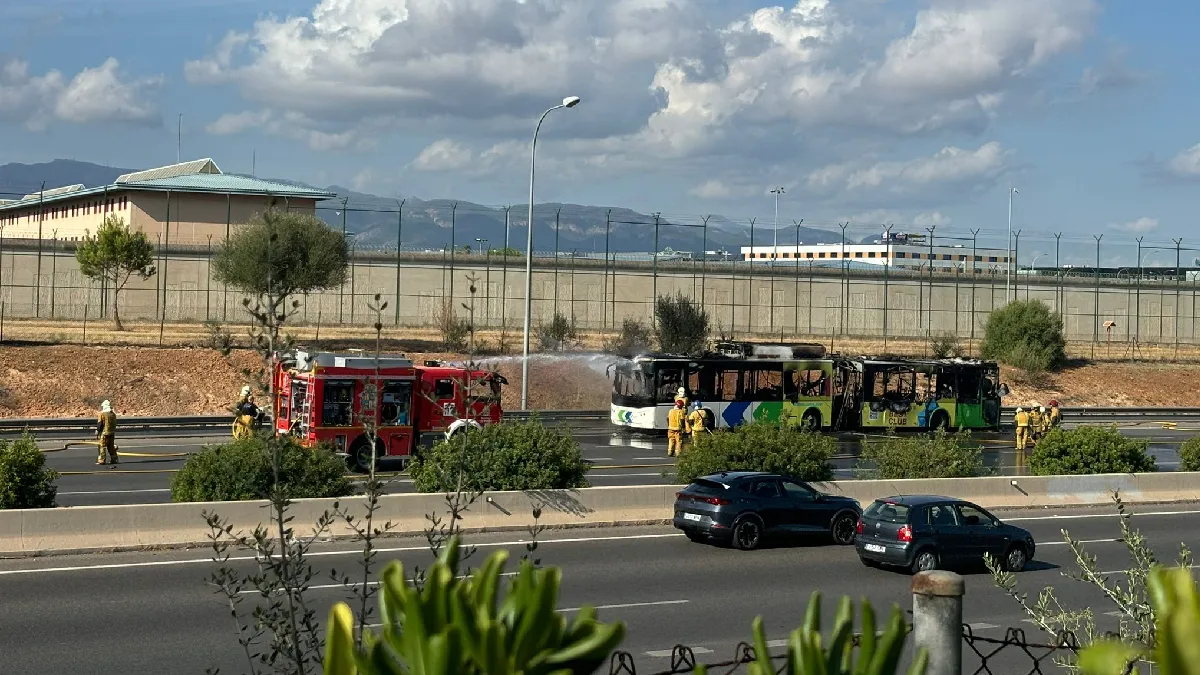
(632, 387)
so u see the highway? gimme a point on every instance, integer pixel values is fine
(149, 461)
(149, 612)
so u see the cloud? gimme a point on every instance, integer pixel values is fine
(444, 155)
(93, 95)
(291, 125)
(934, 219)
(1139, 226)
(1186, 164)
(236, 123)
(720, 189)
(885, 217)
(950, 165)
(660, 80)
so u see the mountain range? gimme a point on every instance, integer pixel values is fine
(432, 223)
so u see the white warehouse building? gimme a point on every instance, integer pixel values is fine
(903, 251)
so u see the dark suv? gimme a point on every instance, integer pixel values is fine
(926, 532)
(742, 507)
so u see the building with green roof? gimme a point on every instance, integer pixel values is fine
(188, 203)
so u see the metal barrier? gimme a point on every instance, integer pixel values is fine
(76, 424)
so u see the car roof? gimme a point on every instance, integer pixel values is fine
(918, 500)
(734, 476)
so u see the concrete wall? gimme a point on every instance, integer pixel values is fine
(33, 531)
(194, 218)
(793, 301)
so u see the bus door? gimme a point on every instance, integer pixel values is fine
(395, 417)
(808, 394)
(847, 395)
(890, 392)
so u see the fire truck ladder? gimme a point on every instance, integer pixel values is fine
(306, 407)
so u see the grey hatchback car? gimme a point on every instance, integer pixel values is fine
(926, 532)
(744, 507)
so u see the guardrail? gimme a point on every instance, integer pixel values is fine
(196, 422)
(76, 424)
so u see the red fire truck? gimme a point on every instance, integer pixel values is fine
(319, 398)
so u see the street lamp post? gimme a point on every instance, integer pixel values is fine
(568, 102)
(1008, 267)
(774, 257)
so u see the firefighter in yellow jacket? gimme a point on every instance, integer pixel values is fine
(1054, 417)
(1022, 428)
(1035, 424)
(677, 426)
(245, 411)
(106, 435)
(697, 420)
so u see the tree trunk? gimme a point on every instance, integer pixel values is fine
(116, 313)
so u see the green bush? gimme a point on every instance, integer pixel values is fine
(1089, 450)
(1189, 454)
(506, 456)
(759, 446)
(635, 338)
(25, 480)
(945, 345)
(1027, 335)
(241, 470)
(936, 455)
(682, 326)
(556, 334)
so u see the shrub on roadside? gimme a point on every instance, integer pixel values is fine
(1189, 454)
(635, 337)
(1089, 450)
(945, 345)
(682, 326)
(759, 446)
(557, 334)
(936, 455)
(25, 480)
(1025, 334)
(241, 470)
(507, 456)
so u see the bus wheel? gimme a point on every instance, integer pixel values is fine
(940, 421)
(810, 420)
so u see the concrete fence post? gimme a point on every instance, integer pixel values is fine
(937, 620)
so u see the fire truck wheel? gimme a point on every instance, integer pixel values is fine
(360, 455)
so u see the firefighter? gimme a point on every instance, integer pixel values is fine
(1035, 424)
(1055, 417)
(681, 395)
(1022, 428)
(1045, 426)
(677, 425)
(106, 435)
(697, 420)
(244, 415)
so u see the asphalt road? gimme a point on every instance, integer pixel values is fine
(149, 612)
(148, 462)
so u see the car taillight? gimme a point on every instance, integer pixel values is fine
(858, 530)
(905, 533)
(715, 501)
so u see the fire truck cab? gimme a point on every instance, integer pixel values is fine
(319, 398)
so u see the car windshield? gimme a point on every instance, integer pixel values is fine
(705, 486)
(889, 512)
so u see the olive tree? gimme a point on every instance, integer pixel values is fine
(114, 254)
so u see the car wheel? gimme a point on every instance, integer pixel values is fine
(869, 563)
(747, 533)
(1015, 559)
(843, 529)
(925, 561)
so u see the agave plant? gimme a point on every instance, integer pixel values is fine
(459, 625)
(878, 652)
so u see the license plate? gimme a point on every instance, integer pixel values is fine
(691, 516)
(874, 548)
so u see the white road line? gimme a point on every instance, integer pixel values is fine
(982, 626)
(115, 492)
(1082, 541)
(626, 605)
(621, 475)
(597, 459)
(776, 644)
(643, 459)
(325, 587)
(666, 653)
(321, 554)
(1080, 516)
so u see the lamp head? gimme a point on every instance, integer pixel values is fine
(570, 101)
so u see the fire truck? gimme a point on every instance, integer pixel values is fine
(319, 399)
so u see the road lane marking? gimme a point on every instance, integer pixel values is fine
(325, 587)
(626, 605)
(1082, 541)
(982, 626)
(666, 653)
(325, 554)
(1080, 516)
(114, 492)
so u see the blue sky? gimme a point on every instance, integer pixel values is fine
(916, 113)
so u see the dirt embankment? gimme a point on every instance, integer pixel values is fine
(69, 381)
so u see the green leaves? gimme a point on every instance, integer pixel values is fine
(936, 455)
(759, 446)
(25, 480)
(454, 625)
(681, 325)
(242, 470)
(115, 253)
(1025, 334)
(507, 456)
(281, 254)
(1177, 631)
(1089, 450)
(809, 655)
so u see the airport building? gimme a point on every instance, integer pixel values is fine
(187, 203)
(896, 250)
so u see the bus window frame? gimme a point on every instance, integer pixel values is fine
(637, 373)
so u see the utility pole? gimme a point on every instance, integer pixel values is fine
(179, 139)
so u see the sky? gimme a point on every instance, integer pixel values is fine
(910, 113)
